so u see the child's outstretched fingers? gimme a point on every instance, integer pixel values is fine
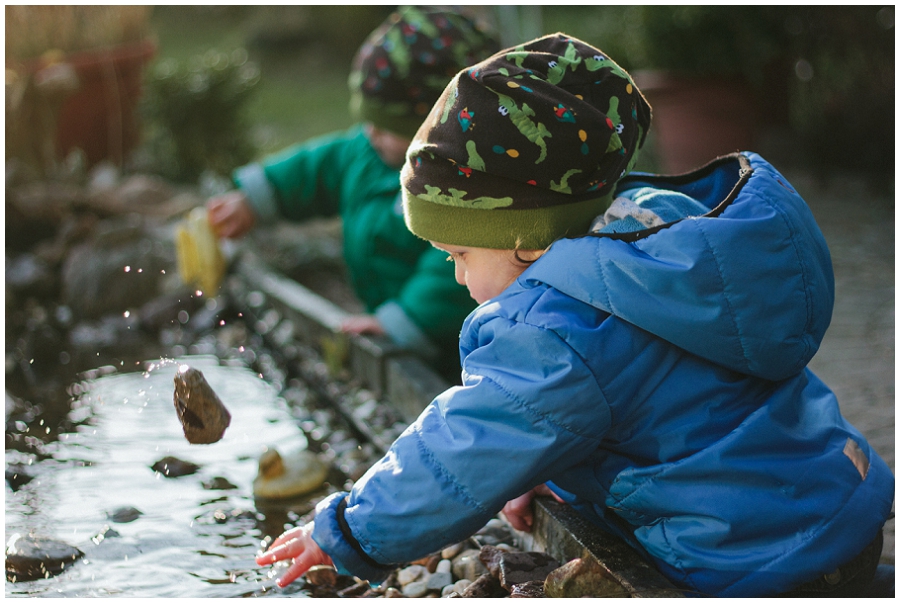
(296, 544)
(308, 558)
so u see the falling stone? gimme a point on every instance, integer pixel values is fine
(31, 558)
(203, 416)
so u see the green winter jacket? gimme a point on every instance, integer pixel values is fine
(400, 278)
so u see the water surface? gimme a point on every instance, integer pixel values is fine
(189, 540)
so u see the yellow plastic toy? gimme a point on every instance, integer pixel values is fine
(200, 261)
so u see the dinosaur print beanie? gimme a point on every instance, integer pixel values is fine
(524, 147)
(404, 65)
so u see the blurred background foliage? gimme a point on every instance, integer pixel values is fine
(231, 83)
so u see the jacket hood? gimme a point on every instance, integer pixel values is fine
(748, 285)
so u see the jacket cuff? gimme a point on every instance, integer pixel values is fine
(333, 536)
(403, 331)
(251, 179)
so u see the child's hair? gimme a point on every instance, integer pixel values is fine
(403, 66)
(524, 147)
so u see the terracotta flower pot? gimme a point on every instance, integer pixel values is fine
(84, 99)
(697, 119)
(101, 117)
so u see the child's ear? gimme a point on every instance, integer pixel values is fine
(527, 256)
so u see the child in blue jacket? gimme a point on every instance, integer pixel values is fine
(406, 288)
(639, 350)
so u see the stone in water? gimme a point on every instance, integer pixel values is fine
(202, 415)
(291, 475)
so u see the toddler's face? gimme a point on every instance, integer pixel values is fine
(486, 272)
(389, 146)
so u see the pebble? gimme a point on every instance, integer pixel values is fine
(321, 575)
(415, 589)
(410, 574)
(457, 587)
(171, 466)
(124, 515)
(444, 566)
(468, 565)
(453, 550)
(438, 580)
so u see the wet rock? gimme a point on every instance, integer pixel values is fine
(28, 274)
(513, 567)
(124, 515)
(321, 575)
(582, 578)
(203, 417)
(533, 589)
(106, 532)
(290, 475)
(357, 590)
(487, 586)
(221, 516)
(171, 466)
(17, 475)
(32, 558)
(218, 483)
(467, 565)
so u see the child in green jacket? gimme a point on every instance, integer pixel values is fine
(405, 284)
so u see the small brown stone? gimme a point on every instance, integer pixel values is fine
(486, 586)
(321, 575)
(582, 578)
(203, 416)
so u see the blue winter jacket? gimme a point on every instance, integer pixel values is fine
(658, 380)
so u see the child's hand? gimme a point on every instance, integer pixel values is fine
(296, 544)
(230, 215)
(519, 511)
(362, 324)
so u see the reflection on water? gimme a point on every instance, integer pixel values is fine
(190, 538)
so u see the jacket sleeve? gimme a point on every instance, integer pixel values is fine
(431, 302)
(528, 407)
(303, 180)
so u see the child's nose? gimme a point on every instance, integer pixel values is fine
(460, 275)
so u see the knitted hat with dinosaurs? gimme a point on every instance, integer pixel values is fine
(404, 65)
(524, 147)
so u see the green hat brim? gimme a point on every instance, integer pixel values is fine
(526, 229)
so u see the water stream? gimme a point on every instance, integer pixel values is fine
(189, 539)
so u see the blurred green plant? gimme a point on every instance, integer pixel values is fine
(823, 73)
(195, 115)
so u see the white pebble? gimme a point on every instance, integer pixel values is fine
(410, 574)
(453, 550)
(438, 580)
(415, 589)
(444, 566)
